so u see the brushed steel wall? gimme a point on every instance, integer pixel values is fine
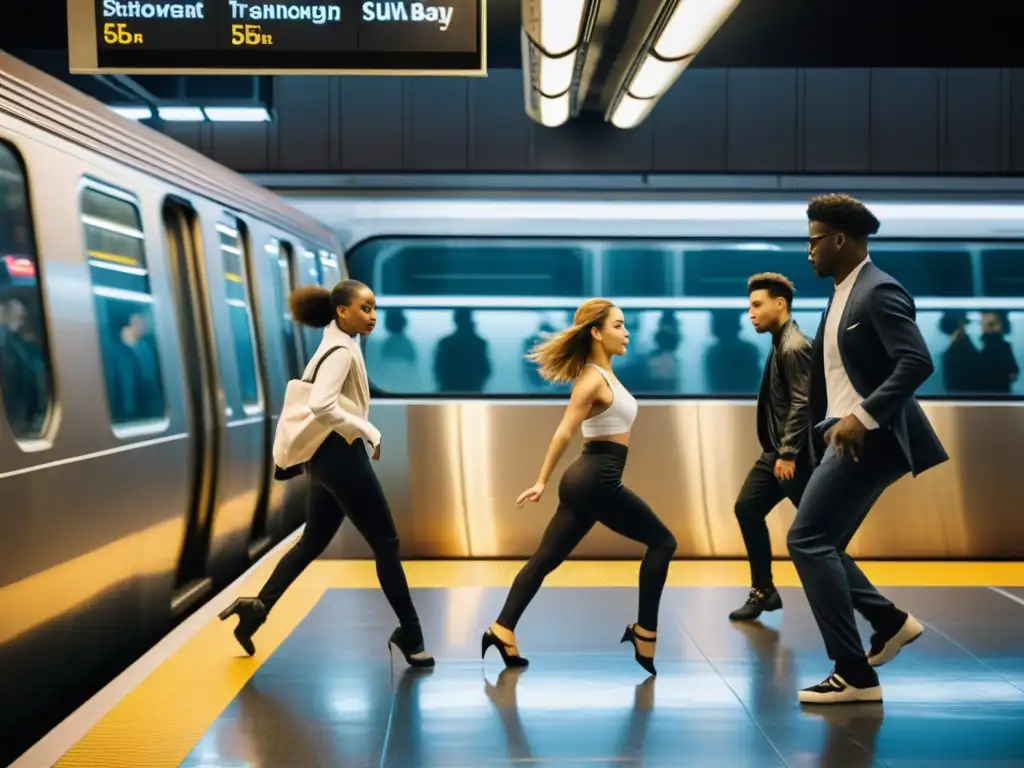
(452, 471)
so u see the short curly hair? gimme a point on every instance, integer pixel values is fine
(844, 213)
(778, 286)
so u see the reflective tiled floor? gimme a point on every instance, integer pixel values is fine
(725, 694)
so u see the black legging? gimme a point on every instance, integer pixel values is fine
(591, 491)
(342, 482)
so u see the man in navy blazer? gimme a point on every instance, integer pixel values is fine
(867, 431)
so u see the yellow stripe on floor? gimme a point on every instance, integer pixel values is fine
(360, 574)
(160, 721)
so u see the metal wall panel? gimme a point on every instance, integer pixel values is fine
(467, 462)
(932, 121)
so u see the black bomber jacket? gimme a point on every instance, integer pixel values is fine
(783, 396)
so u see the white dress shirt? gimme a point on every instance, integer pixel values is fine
(843, 399)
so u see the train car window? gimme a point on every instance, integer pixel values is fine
(282, 258)
(639, 271)
(26, 378)
(310, 272)
(116, 254)
(1002, 270)
(236, 288)
(330, 269)
(470, 267)
(928, 269)
(722, 269)
(458, 315)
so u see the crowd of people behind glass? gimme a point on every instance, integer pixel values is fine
(975, 361)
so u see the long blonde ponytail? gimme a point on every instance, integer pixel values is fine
(561, 356)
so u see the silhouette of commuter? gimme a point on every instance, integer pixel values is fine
(733, 365)
(22, 368)
(960, 361)
(462, 363)
(657, 371)
(134, 373)
(534, 381)
(393, 367)
(998, 369)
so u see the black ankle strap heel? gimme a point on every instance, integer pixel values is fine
(511, 660)
(630, 635)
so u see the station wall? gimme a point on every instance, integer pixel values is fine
(891, 121)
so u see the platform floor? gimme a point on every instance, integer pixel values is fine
(321, 690)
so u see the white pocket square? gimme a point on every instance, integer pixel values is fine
(851, 327)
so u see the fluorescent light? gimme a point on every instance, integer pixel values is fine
(560, 25)
(181, 114)
(630, 112)
(133, 113)
(555, 74)
(553, 112)
(692, 24)
(237, 114)
(655, 77)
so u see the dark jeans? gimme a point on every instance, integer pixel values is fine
(838, 497)
(591, 491)
(760, 493)
(342, 483)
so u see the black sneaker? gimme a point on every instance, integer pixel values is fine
(759, 601)
(886, 646)
(835, 690)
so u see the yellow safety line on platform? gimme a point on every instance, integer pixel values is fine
(160, 722)
(360, 574)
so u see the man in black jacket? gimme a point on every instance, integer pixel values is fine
(867, 361)
(783, 468)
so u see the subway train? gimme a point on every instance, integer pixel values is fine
(144, 350)
(466, 283)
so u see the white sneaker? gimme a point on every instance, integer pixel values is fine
(835, 690)
(883, 651)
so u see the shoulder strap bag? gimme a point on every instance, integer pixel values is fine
(299, 434)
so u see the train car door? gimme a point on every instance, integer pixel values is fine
(181, 227)
(243, 454)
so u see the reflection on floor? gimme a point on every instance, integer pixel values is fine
(725, 695)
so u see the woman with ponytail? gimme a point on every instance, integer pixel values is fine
(591, 490)
(341, 480)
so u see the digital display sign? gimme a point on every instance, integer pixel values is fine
(370, 37)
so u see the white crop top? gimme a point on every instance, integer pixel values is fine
(618, 418)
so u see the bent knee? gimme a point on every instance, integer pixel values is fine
(666, 545)
(386, 547)
(746, 510)
(802, 542)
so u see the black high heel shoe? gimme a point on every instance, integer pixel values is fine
(511, 660)
(251, 614)
(410, 654)
(647, 662)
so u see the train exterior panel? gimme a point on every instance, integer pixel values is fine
(146, 347)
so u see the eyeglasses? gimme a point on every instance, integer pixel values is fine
(815, 239)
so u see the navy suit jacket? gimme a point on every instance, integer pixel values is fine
(887, 360)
